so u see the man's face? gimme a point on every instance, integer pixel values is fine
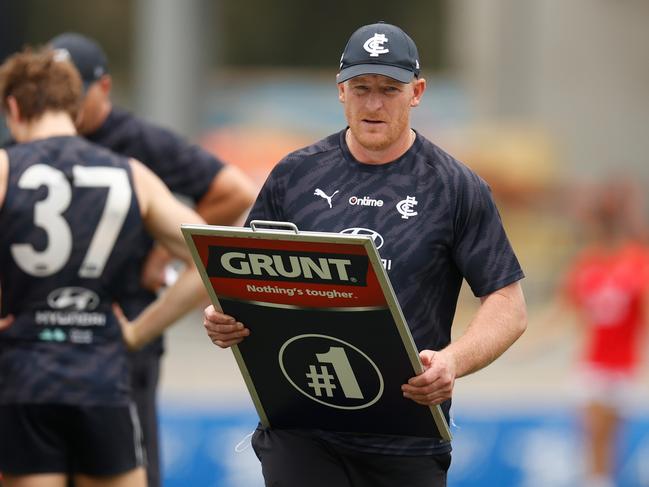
(377, 108)
(91, 109)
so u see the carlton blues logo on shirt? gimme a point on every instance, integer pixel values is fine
(287, 265)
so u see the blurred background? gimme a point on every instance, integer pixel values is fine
(545, 99)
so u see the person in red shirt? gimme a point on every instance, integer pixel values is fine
(607, 286)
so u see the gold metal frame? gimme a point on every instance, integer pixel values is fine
(291, 233)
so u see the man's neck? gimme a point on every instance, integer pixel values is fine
(100, 117)
(50, 124)
(369, 156)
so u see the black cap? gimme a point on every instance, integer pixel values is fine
(380, 49)
(85, 53)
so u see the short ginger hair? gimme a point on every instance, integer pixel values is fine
(40, 80)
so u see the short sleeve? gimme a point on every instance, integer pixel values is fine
(185, 168)
(270, 201)
(482, 251)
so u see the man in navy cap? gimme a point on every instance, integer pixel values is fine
(221, 193)
(439, 225)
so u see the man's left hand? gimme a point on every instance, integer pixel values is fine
(128, 329)
(435, 384)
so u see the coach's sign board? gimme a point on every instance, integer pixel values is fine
(329, 347)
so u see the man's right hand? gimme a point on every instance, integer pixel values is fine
(222, 329)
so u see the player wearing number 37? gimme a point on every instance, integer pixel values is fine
(70, 214)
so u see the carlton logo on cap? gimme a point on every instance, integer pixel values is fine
(374, 45)
(392, 53)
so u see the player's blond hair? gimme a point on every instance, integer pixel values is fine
(40, 80)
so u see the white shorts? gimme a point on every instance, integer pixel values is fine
(612, 388)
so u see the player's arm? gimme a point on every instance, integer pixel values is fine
(4, 180)
(6, 322)
(230, 195)
(163, 214)
(500, 320)
(4, 175)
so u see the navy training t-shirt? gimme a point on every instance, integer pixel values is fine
(434, 223)
(186, 169)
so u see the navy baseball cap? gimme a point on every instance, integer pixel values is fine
(86, 54)
(382, 49)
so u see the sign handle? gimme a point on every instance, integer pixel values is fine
(288, 226)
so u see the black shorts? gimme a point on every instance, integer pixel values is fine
(57, 438)
(291, 458)
(145, 372)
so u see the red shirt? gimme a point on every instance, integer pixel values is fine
(608, 289)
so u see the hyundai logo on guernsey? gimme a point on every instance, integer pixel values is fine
(73, 299)
(376, 237)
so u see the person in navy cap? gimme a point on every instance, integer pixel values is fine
(439, 226)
